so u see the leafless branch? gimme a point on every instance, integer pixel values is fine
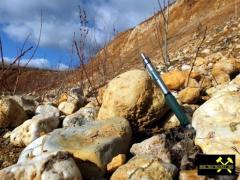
(80, 48)
(1, 52)
(196, 55)
(165, 17)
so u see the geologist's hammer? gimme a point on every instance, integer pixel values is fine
(170, 99)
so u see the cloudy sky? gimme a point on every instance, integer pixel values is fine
(20, 18)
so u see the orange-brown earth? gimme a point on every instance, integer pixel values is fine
(186, 18)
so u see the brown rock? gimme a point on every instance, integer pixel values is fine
(189, 95)
(11, 113)
(229, 66)
(206, 83)
(175, 80)
(134, 96)
(63, 98)
(192, 83)
(221, 77)
(116, 162)
(100, 93)
(145, 166)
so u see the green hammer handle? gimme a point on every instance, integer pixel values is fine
(177, 109)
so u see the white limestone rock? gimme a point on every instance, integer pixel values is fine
(93, 145)
(58, 165)
(154, 146)
(80, 117)
(217, 124)
(41, 124)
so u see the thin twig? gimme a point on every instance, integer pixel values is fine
(84, 69)
(1, 52)
(196, 55)
(165, 23)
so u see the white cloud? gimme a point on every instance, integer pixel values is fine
(60, 18)
(36, 63)
(40, 63)
(62, 67)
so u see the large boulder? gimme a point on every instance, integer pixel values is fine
(39, 125)
(58, 165)
(217, 125)
(11, 113)
(93, 145)
(134, 96)
(145, 167)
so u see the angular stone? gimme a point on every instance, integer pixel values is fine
(145, 167)
(154, 146)
(62, 98)
(171, 121)
(116, 162)
(81, 117)
(67, 107)
(58, 165)
(93, 145)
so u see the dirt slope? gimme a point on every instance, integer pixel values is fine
(187, 17)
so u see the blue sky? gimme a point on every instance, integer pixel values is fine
(19, 18)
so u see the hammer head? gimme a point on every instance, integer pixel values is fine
(219, 159)
(230, 160)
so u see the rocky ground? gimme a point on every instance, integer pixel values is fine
(8, 153)
(127, 131)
